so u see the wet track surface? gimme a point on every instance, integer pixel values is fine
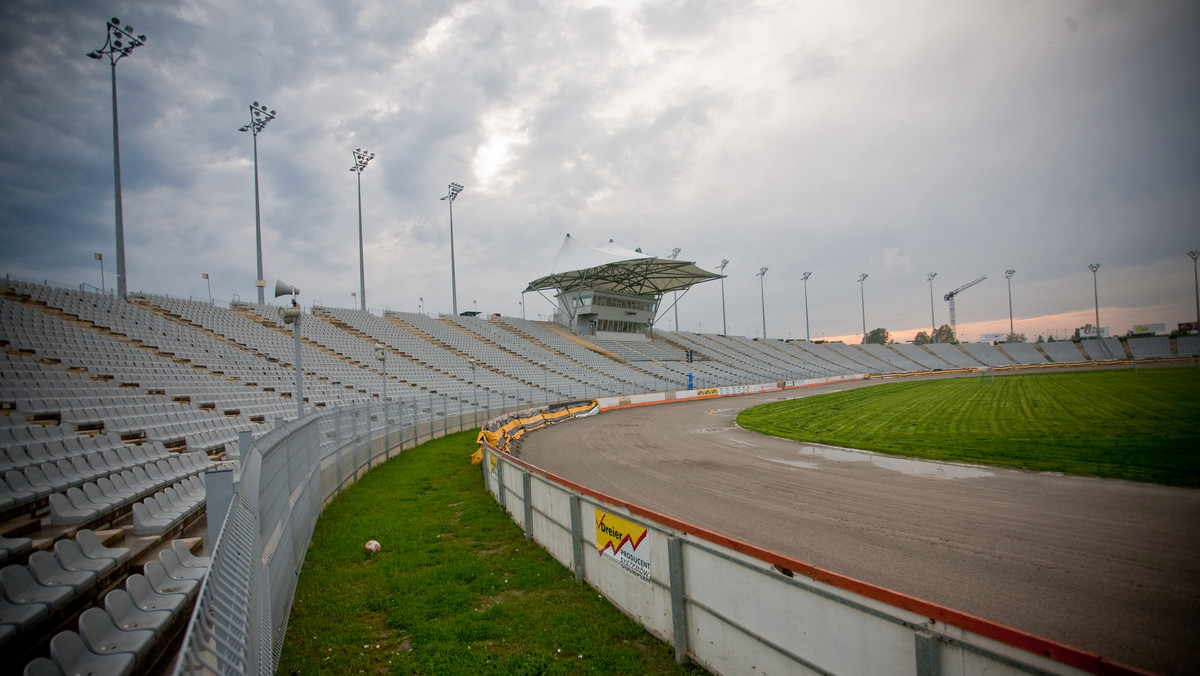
(1112, 567)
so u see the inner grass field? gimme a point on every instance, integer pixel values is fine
(456, 588)
(1141, 425)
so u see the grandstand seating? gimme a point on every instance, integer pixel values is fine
(1063, 352)
(1023, 353)
(111, 411)
(987, 354)
(1150, 347)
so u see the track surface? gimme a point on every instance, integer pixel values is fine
(1112, 567)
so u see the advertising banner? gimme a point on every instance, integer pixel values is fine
(623, 541)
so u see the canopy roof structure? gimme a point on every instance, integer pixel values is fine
(615, 269)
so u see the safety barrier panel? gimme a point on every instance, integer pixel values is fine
(287, 477)
(738, 609)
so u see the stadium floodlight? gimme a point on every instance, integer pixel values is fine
(421, 304)
(291, 315)
(762, 273)
(675, 295)
(804, 278)
(932, 317)
(208, 281)
(100, 257)
(862, 296)
(381, 355)
(721, 268)
(1011, 331)
(1096, 293)
(451, 195)
(1194, 254)
(118, 43)
(259, 117)
(361, 158)
(474, 395)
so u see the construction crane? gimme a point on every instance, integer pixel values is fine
(950, 297)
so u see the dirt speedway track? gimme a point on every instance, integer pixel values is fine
(1112, 567)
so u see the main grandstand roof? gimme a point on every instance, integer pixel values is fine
(616, 269)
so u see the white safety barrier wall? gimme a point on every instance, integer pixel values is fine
(739, 609)
(287, 477)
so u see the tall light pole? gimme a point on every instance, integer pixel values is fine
(932, 318)
(259, 117)
(361, 158)
(381, 355)
(209, 283)
(721, 267)
(862, 296)
(118, 43)
(762, 273)
(100, 257)
(451, 195)
(1194, 254)
(474, 395)
(804, 278)
(675, 295)
(1008, 275)
(1096, 292)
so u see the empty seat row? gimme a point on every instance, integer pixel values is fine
(121, 637)
(168, 508)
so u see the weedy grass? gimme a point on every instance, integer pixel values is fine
(456, 588)
(1141, 425)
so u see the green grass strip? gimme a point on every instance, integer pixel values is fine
(1139, 425)
(456, 589)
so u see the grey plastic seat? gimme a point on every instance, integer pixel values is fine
(12, 547)
(163, 583)
(103, 637)
(176, 569)
(186, 557)
(21, 614)
(18, 484)
(71, 557)
(147, 598)
(19, 586)
(145, 523)
(42, 666)
(47, 571)
(97, 497)
(63, 513)
(126, 614)
(72, 656)
(93, 548)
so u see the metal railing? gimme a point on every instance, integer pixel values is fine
(287, 477)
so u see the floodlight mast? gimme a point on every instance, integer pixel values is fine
(932, 319)
(450, 196)
(1008, 274)
(1195, 254)
(762, 273)
(1095, 267)
(862, 296)
(951, 296)
(721, 267)
(804, 278)
(259, 117)
(118, 43)
(361, 159)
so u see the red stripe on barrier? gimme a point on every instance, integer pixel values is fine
(1059, 652)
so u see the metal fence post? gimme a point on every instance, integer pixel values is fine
(678, 599)
(445, 416)
(577, 537)
(500, 493)
(527, 485)
(928, 655)
(432, 417)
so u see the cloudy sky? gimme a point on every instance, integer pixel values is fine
(892, 139)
